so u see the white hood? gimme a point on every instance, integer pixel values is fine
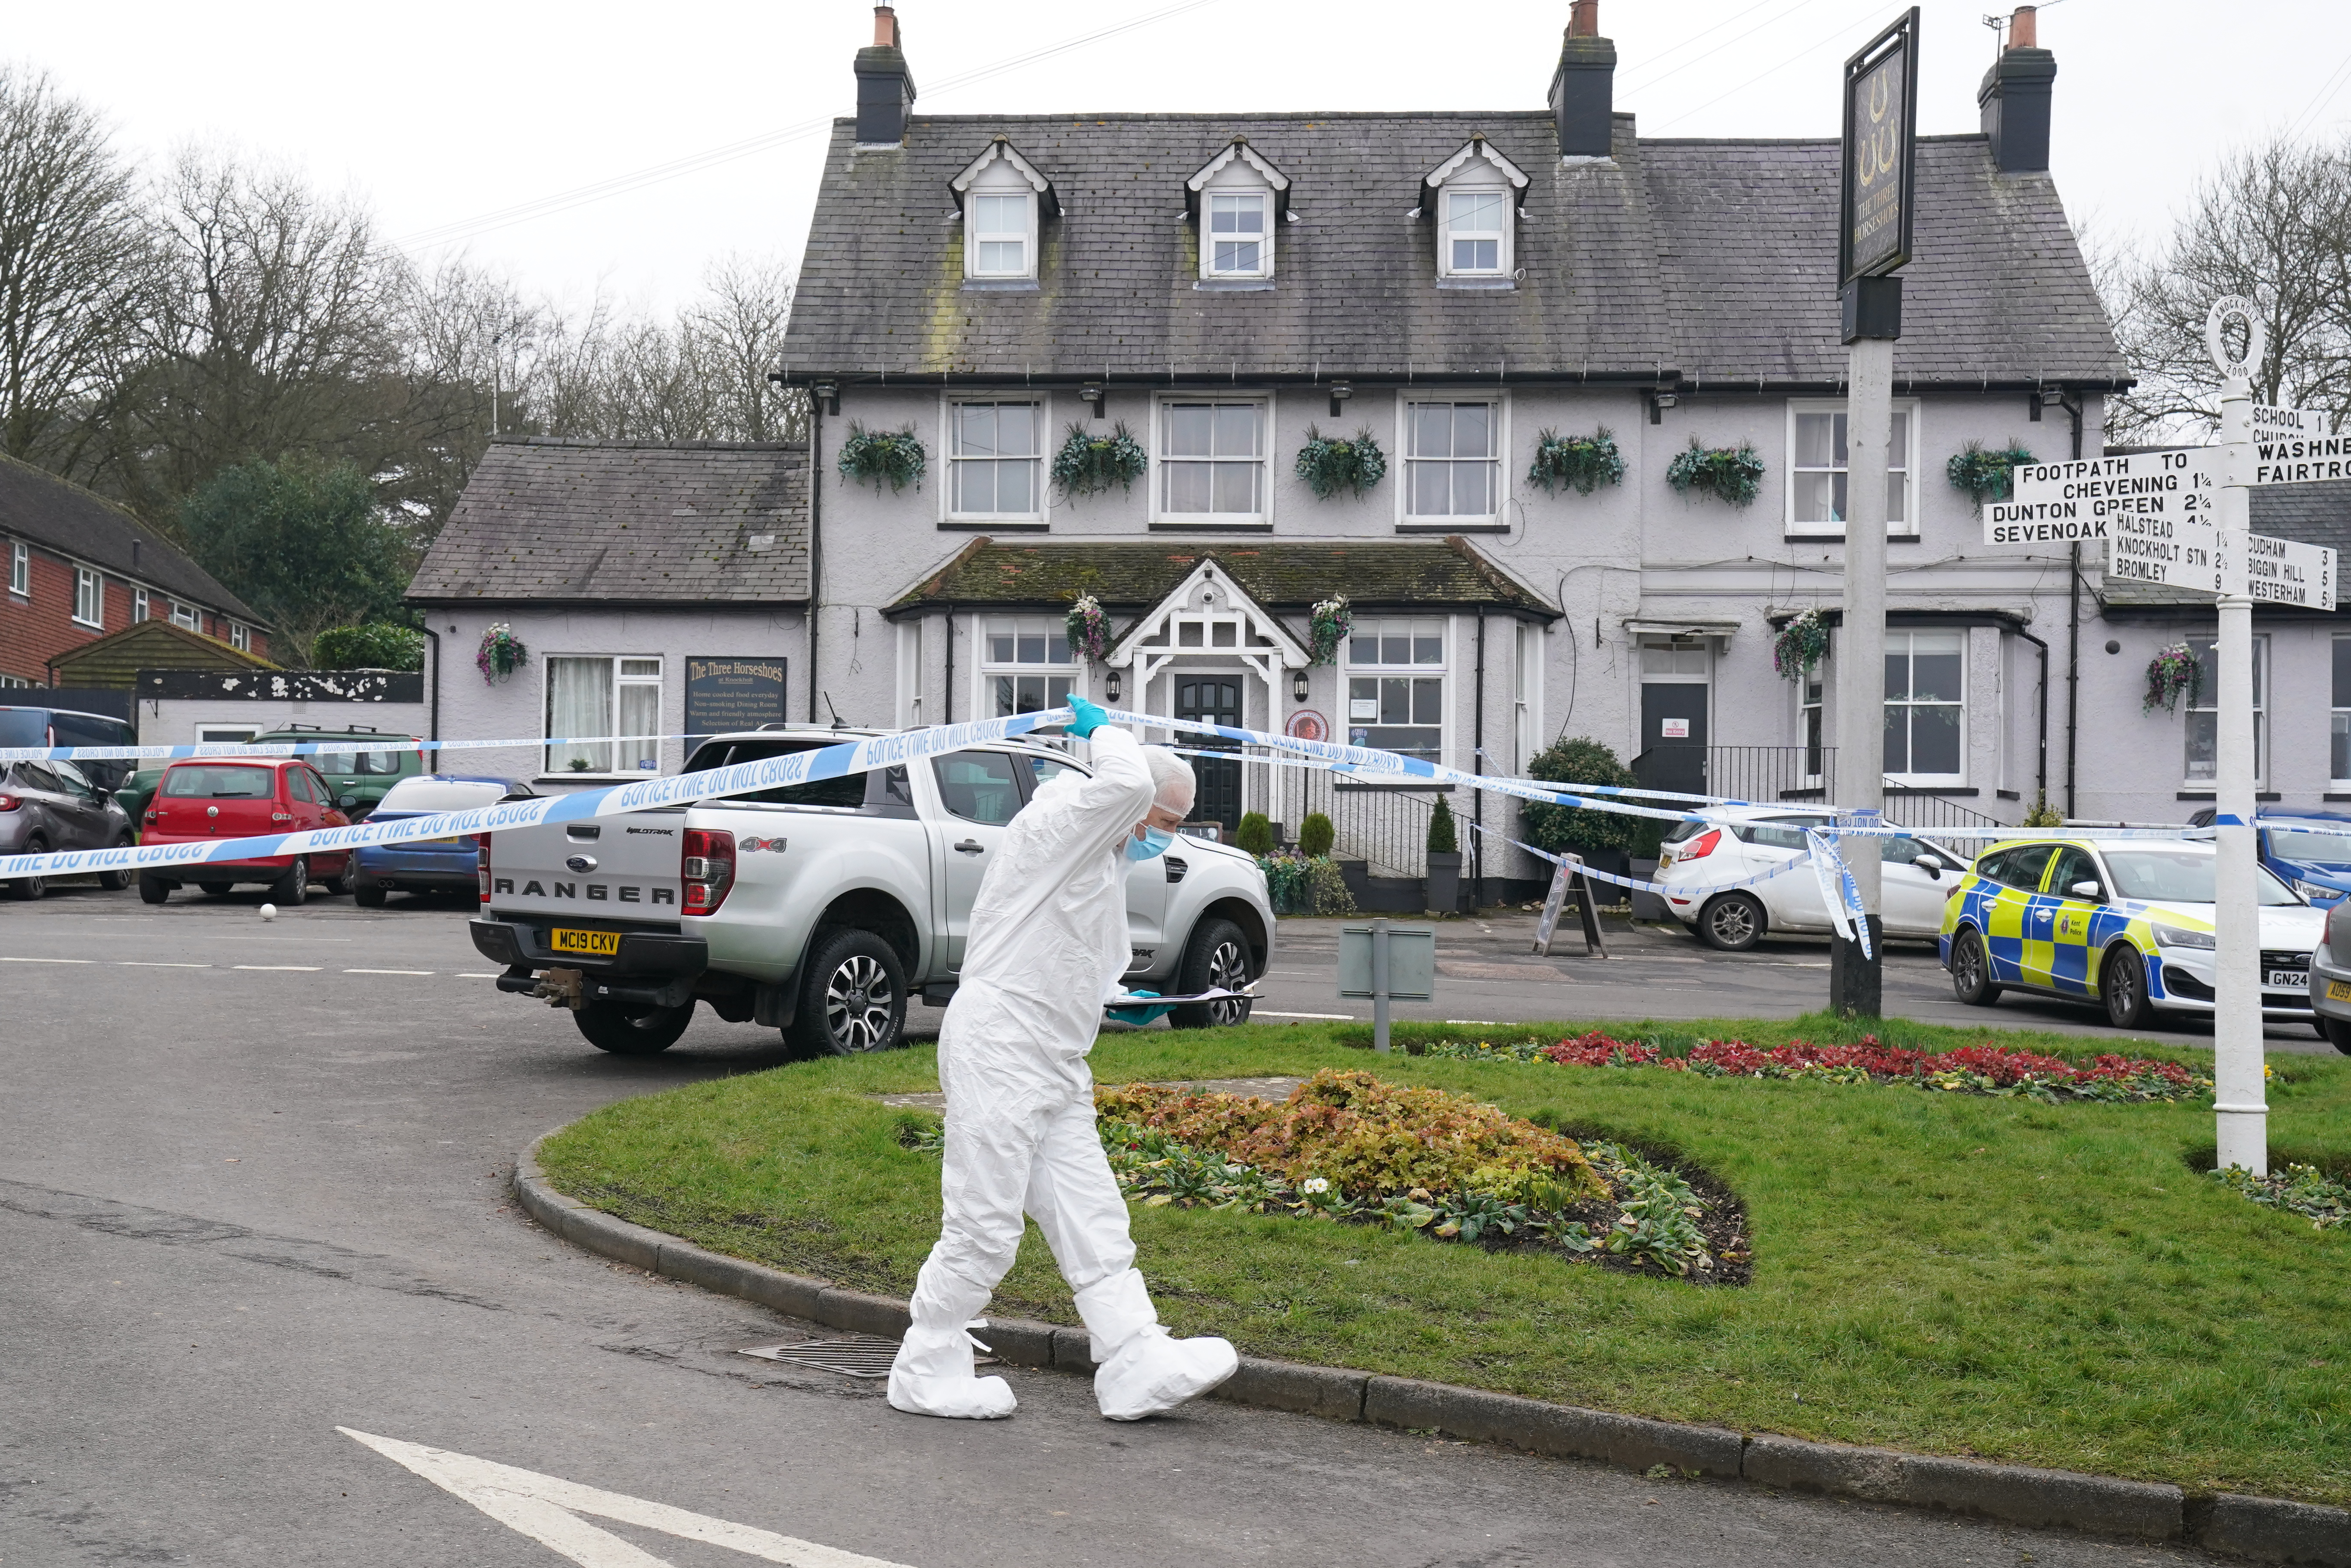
(2293, 928)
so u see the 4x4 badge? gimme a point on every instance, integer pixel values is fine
(764, 845)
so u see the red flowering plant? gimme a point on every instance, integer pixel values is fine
(1986, 1069)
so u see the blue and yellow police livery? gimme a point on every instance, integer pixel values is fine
(2123, 922)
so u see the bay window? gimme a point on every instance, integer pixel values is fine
(1028, 665)
(1925, 706)
(1817, 470)
(1212, 461)
(592, 698)
(1453, 467)
(2204, 712)
(996, 460)
(1395, 687)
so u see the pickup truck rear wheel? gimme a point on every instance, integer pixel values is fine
(633, 1030)
(1217, 955)
(852, 998)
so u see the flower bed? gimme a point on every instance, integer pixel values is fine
(1970, 1069)
(1348, 1146)
(2303, 1189)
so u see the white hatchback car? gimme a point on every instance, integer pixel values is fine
(1740, 842)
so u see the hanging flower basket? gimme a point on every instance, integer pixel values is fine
(1329, 464)
(501, 653)
(1726, 475)
(2172, 674)
(1088, 464)
(1334, 620)
(1587, 463)
(1089, 627)
(876, 455)
(1802, 644)
(1984, 475)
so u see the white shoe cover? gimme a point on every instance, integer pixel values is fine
(1152, 1374)
(965, 1398)
(933, 1375)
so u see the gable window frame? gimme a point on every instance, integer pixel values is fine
(1458, 231)
(1166, 462)
(999, 175)
(952, 512)
(89, 598)
(1477, 172)
(1216, 206)
(1257, 180)
(1416, 463)
(1906, 413)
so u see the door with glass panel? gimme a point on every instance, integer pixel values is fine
(1213, 699)
(1674, 692)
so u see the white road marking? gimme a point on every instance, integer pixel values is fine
(546, 1508)
(152, 963)
(1334, 1017)
(45, 960)
(489, 975)
(281, 967)
(387, 971)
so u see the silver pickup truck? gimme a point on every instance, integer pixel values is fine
(821, 907)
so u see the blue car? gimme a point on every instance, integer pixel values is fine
(2310, 851)
(435, 865)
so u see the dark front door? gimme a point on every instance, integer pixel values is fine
(1673, 736)
(1213, 701)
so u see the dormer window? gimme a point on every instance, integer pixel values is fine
(1238, 200)
(1237, 236)
(1473, 197)
(1003, 196)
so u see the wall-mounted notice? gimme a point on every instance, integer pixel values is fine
(727, 694)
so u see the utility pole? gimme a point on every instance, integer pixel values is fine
(1881, 125)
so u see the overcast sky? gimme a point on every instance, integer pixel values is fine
(446, 117)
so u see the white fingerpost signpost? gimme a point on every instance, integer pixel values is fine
(2239, 1102)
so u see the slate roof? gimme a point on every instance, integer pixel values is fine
(1703, 262)
(1284, 577)
(2308, 514)
(59, 516)
(625, 522)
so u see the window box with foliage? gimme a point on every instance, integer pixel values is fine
(1088, 464)
(1583, 463)
(1330, 464)
(872, 456)
(1984, 474)
(1731, 474)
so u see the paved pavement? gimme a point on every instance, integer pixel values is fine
(254, 1191)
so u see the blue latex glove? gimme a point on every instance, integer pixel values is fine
(1086, 718)
(1138, 1016)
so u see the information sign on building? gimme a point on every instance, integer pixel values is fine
(726, 694)
(1881, 142)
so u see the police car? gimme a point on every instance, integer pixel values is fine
(2125, 922)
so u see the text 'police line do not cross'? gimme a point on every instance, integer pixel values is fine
(2156, 514)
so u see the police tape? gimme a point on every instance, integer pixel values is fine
(345, 744)
(645, 795)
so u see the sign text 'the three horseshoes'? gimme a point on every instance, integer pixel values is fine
(1881, 118)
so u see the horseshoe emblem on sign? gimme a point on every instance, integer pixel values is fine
(2227, 307)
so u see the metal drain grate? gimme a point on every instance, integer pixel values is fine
(859, 1355)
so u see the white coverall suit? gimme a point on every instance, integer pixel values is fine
(1048, 941)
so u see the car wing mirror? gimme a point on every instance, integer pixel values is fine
(2085, 890)
(1932, 866)
(347, 800)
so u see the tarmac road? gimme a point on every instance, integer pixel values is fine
(251, 1190)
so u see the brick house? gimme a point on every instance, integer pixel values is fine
(79, 567)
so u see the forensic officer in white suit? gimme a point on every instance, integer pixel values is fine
(1047, 943)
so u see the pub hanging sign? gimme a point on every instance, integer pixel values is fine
(1881, 152)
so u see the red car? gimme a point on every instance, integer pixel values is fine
(242, 798)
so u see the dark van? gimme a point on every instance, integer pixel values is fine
(65, 727)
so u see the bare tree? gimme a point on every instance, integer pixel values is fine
(2272, 224)
(740, 324)
(71, 247)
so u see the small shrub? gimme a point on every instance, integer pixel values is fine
(1735, 475)
(1327, 886)
(1315, 836)
(1560, 828)
(1254, 833)
(377, 646)
(1442, 839)
(2044, 814)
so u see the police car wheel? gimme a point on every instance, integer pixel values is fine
(2121, 983)
(1733, 922)
(1972, 970)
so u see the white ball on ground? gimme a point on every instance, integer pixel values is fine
(268, 911)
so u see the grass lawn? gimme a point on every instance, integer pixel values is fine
(2041, 1284)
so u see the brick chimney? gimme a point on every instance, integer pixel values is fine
(2014, 99)
(885, 90)
(1583, 88)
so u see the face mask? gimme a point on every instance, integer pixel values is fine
(1150, 846)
